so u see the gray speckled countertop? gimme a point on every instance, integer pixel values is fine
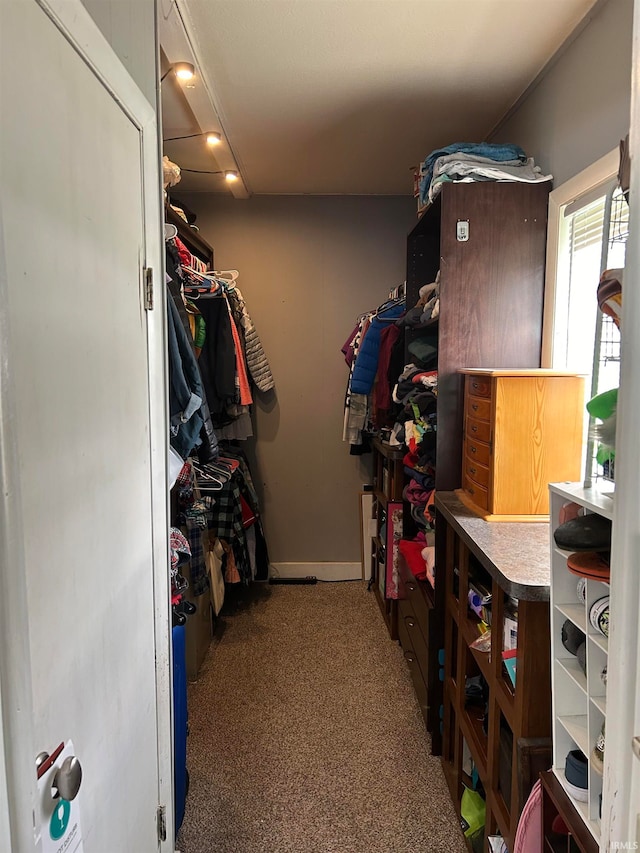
(516, 554)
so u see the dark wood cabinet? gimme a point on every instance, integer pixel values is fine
(491, 306)
(504, 730)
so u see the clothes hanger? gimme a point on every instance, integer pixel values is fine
(170, 231)
(228, 275)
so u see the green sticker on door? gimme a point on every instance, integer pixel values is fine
(60, 820)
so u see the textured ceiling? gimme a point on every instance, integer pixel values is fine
(344, 96)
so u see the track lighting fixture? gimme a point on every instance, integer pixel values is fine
(230, 175)
(182, 70)
(212, 137)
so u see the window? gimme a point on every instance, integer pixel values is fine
(589, 235)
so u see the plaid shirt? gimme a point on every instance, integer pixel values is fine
(226, 523)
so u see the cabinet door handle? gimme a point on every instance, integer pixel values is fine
(474, 406)
(411, 623)
(411, 587)
(474, 428)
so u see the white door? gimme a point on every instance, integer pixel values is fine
(621, 791)
(84, 644)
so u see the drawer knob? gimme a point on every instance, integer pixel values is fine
(411, 587)
(409, 657)
(472, 470)
(410, 623)
(471, 491)
(475, 384)
(474, 428)
(473, 449)
(474, 407)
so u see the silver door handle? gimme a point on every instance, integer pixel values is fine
(635, 746)
(67, 780)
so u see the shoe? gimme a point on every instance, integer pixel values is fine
(576, 772)
(586, 533)
(590, 564)
(599, 615)
(581, 654)
(572, 637)
(597, 754)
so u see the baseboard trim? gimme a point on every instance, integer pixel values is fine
(323, 571)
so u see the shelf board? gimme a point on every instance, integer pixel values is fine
(506, 700)
(582, 808)
(601, 704)
(597, 498)
(600, 641)
(576, 728)
(555, 845)
(388, 451)
(477, 741)
(574, 613)
(574, 671)
(469, 635)
(501, 813)
(381, 497)
(562, 553)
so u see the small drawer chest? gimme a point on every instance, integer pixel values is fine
(522, 430)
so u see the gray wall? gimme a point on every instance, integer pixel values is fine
(579, 111)
(308, 266)
(130, 28)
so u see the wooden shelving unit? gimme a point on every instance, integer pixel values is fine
(509, 736)
(491, 298)
(387, 485)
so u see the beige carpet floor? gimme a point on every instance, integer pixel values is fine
(305, 735)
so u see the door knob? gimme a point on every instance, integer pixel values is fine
(67, 780)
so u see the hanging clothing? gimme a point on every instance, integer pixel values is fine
(218, 357)
(241, 370)
(185, 386)
(256, 357)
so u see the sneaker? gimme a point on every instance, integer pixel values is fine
(572, 637)
(576, 772)
(597, 754)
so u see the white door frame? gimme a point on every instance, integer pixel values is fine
(17, 769)
(621, 803)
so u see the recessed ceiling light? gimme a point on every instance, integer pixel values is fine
(213, 138)
(230, 175)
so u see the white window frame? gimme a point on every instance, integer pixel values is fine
(598, 174)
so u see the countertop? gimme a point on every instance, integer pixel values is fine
(516, 554)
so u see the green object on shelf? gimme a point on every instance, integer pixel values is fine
(473, 812)
(602, 406)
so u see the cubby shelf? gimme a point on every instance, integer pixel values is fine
(579, 703)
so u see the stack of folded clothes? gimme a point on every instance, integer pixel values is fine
(426, 309)
(416, 391)
(476, 161)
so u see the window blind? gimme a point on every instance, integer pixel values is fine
(587, 225)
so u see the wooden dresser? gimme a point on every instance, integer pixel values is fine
(522, 430)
